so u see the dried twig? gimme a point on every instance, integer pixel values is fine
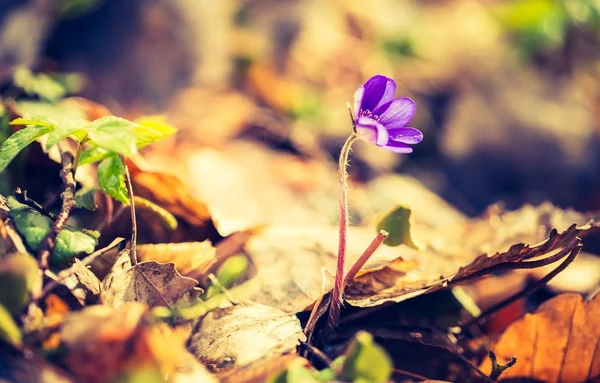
(67, 196)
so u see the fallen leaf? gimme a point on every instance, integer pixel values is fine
(101, 343)
(237, 336)
(557, 343)
(194, 222)
(152, 283)
(191, 259)
(460, 252)
(288, 260)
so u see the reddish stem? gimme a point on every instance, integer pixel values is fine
(338, 287)
(381, 236)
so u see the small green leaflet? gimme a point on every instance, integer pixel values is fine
(84, 198)
(397, 224)
(92, 155)
(111, 178)
(18, 141)
(166, 218)
(114, 134)
(366, 361)
(33, 226)
(39, 84)
(151, 129)
(146, 129)
(9, 331)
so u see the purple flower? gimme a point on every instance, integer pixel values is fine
(381, 119)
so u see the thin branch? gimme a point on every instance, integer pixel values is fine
(132, 245)
(67, 196)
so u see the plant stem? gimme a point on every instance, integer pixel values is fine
(338, 287)
(78, 153)
(67, 196)
(381, 236)
(132, 251)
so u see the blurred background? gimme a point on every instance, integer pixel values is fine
(508, 93)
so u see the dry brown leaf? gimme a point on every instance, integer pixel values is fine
(101, 343)
(288, 260)
(152, 283)
(167, 191)
(191, 259)
(237, 336)
(558, 343)
(460, 252)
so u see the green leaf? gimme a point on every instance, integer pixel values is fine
(41, 84)
(114, 134)
(397, 224)
(18, 141)
(35, 121)
(17, 275)
(66, 109)
(167, 218)
(151, 129)
(9, 330)
(84, 198)
(366, 361)
(111, 178)
(33, 226)
(231, 271)
(65, 129)
(92, 155)
(296, 372)
(62, 127)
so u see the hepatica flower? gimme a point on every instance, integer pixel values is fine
(381, 119)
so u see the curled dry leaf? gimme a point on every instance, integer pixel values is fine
(289, 260)
(558, 343)
(482, 245)
(237, 336)
(152, 283)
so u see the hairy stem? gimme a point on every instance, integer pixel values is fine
(338, 287)
(132, 251)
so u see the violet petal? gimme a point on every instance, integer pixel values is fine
(378, 90)
(396, 114)
(406, 135)
(398, 147)
(371, 131)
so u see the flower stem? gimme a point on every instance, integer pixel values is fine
(338, 287)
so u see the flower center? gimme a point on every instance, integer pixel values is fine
(369, 114)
